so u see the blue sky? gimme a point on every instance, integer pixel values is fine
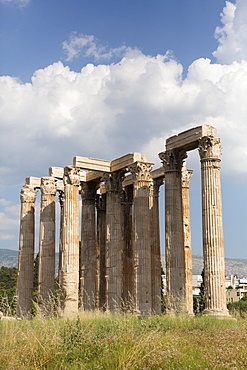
(104, 78)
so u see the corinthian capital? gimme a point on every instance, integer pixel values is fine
(173, 160)
(28, 194)
(47, 186)
(141, 171)
(113, 180)
(209, 147)
(72, 175)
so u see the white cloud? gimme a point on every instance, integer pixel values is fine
(232, 36)
(88, 45)
(21, 3)
(106, 111)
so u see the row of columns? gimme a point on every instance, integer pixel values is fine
(118, 266)
(178, 251)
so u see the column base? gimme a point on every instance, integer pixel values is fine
(217, 313)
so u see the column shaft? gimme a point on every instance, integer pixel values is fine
(186, 175)
(155, 247)
(70, 242)
(141, 243)
(47, 244)
(114, 242)
(128, 263)
(213, 240)
(175, 254)
(88, 247)
(26, 252)
(101, 237)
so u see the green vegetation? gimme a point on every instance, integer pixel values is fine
(238, 309)
(103, 341)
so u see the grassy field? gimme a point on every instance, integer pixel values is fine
(121, 342)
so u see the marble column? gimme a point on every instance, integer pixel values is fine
(114, 241)
(88, 246)
(213, 240)
(26, 252)
(175, 254)
(141, 238)
(155, 246)
(128, 265)
(101, 238)
(47, 244)
(69, 273)
(186, 175)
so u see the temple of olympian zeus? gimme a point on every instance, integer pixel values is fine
(116, 264)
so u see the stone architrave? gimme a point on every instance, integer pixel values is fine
(69, 273)
(141, 238)
(101, 240)
(128, 266)
(213, 240)
(114, 241)
(175, 254)
(155, 246)
(88, 246)
(186, 175)
(26, 251)
(47, 244)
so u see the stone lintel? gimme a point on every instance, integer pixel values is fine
(126, 160)
(56, 172)
(188, 140)
(157, 173)
(93, 175)
(33, 181)
(92, 164)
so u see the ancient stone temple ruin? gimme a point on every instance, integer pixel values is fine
(115, 263)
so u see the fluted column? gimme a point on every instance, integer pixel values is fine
(128, 263)
(186, 175)
(88, 247)
(213, 240)
(155, 246)
(26, 251)
(175, 255)
(141, 243)
(101, 238)
(69, 273)
(114, 241)
(47, 243)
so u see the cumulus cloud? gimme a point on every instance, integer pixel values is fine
(106, 111)
(232, 36)
(88, 45)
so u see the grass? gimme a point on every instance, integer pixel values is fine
(123, 342)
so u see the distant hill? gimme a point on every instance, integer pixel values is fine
(9, 258)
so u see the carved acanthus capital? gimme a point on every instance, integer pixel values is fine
(72, 175)
(47, 186)
(173, 159)
(28, 194)
(88, 190)
(186, 176)
(141, 171)
(209, 147)
(113, 180)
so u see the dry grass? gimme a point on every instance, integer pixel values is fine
(123, 342)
